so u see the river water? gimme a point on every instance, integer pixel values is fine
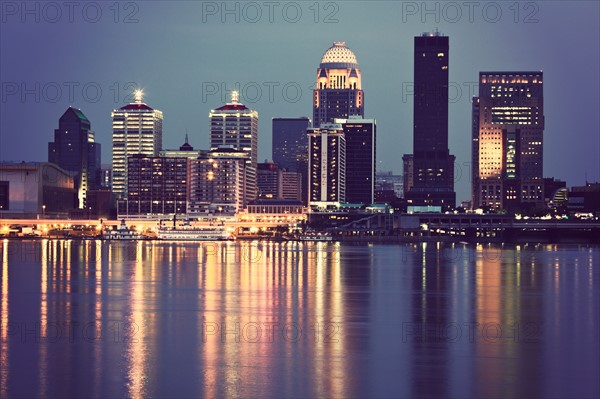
(267, 319)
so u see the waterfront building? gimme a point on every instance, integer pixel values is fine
(327, 165)
(236, 126)
(75, 150)
(30, 190)
(218, 182)
(136, 129)
(431, 164)
(507, 141)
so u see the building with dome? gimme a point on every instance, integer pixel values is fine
(338, 92)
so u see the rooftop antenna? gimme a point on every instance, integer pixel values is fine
(138, 94)
(186, 136)
(235, 97)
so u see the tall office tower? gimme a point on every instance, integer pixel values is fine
(338, 92)
(74, 149)
(137, 129)
(235, 125)
(290, 148)
(433, 166)
(327, 165)
(218, 181)
(361, 135)
(155, 185)
(508, 129)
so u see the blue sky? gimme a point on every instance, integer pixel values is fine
(87, 55)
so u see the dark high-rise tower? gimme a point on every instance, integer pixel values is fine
(361, 135)
(290, 147)
(433, 166)
(74, 149)
(507, 147)
(338, 93)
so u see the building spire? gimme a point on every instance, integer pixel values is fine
(235, 97)
(138, 94)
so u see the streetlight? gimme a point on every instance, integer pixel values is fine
(43, 211)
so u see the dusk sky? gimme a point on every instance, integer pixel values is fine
(180, 52)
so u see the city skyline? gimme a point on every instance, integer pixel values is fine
(183, 93)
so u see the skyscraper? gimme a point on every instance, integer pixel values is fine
(290, 148)
(235, 125)
(338, 92)
(433, 166)
(137, 129)
(508, 129)
(327, 165)
(360, 135)
(74, 149)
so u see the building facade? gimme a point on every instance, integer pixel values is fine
(75, 150)
(35, 190)
(327, 165)
(338, 92)
(507, 146)
(236, 126)
(432, 164)
(361, 142)
(156, 186)
(136, 129)
(218, 182)
(267, 180)
(290, 185)
(388, 181)
(277, 183)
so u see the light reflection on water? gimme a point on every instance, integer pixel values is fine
(266, 319)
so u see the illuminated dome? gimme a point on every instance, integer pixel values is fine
(339, 56)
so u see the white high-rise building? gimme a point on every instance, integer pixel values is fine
(326, 165)
(236, 126)
(137, 129)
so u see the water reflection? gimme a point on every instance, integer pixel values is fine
(266, 319)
